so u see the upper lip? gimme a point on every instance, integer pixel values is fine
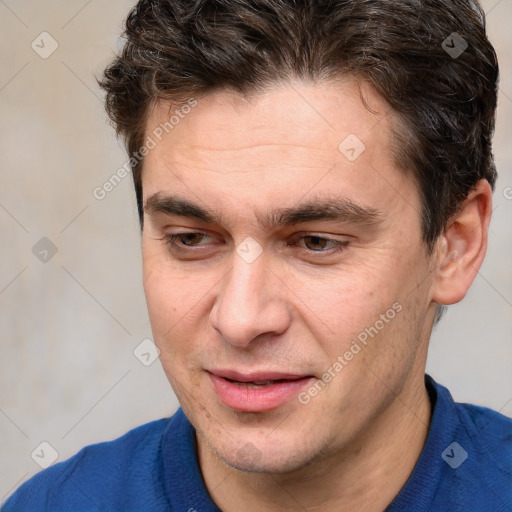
(256, 376)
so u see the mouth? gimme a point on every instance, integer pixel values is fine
(256, 392)
(258, 384)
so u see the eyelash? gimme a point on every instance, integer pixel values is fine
(340, 245)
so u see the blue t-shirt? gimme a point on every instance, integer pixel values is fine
(465, 466)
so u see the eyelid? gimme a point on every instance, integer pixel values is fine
(170, 238)
(340, 244)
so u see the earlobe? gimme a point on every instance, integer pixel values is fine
(461, 248)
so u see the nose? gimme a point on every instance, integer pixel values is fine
(251, 303)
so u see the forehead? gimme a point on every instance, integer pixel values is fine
(296, 112)
(277, 146)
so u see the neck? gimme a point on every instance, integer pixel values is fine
(364, 476)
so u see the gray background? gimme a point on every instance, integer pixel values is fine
(69, 325)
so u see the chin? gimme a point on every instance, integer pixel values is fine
(262, 462)
(270, 458)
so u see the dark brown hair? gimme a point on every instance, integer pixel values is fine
(412, 52)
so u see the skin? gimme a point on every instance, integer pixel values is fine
(294, 309)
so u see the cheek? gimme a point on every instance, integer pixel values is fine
(162, 296)
(169, 295)
(178, 306)
(171, 313)
(338, 305)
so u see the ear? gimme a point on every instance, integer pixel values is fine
(461, 248)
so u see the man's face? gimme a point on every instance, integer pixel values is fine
(252, 292)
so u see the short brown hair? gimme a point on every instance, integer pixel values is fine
(412, 52)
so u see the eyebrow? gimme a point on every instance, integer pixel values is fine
(325, 208)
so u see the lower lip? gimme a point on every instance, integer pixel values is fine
(259, 399)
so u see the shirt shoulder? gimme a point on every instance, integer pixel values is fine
(477, 461)
(489, 423)
(122, 474)
(466, 462)
(489, 434)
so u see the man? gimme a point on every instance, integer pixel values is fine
(314, 182)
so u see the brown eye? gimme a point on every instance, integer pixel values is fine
(317, 241)
(190, 238)
(180, 240)
(319, 244)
